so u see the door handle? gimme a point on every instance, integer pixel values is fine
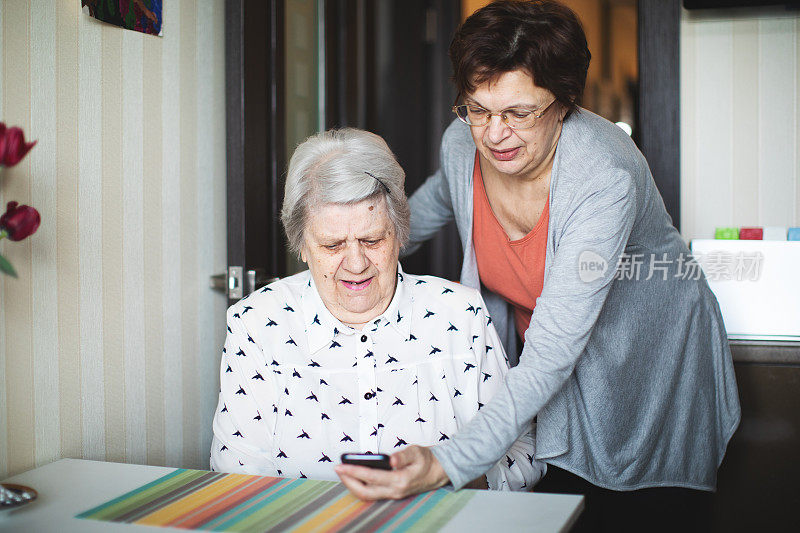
(257, 278)
(237, 283)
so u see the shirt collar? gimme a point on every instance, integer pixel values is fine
(322, 327)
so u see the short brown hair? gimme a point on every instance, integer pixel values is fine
(542, 37)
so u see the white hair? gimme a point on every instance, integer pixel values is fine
(342, 166)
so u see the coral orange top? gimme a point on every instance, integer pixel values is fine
(512, 269)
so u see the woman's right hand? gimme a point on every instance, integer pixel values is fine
(414, 470)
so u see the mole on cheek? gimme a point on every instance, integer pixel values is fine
(371, 207)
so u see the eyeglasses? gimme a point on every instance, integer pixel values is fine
(516, 118)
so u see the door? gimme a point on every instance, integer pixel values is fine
(387, 71)
(380, 66)
(255, 123)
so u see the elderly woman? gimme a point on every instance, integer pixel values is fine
(353, 355)
(627, 368)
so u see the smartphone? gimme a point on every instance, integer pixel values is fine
(372, 460)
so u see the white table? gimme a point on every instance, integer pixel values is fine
(71, 486)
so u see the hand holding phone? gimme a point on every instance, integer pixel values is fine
(372, 460)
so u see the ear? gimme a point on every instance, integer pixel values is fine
(562, 112)
(303, 254)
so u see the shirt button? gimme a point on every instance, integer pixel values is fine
(368, 396)
(363, 338)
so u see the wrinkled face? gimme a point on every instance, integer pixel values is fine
(352, 252)
(522, 153)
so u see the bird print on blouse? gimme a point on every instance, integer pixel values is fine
(299, 388)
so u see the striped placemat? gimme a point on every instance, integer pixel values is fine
(197, 499)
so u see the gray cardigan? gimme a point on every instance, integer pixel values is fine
(631, 379)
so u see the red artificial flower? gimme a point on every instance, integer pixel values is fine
(12, 145)
(19, 221)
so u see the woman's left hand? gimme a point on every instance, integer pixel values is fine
(414, 470)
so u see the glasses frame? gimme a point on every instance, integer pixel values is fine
(503, 116)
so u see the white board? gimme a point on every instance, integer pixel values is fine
(758, 301)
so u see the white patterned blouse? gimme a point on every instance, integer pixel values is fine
(298, 388)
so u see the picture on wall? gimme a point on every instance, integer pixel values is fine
(137, 15)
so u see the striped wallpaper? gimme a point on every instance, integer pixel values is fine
(740, 119)
(110, 338)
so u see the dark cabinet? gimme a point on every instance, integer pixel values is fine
(759, 480)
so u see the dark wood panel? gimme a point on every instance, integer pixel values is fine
(659, 97)
(758, 486)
